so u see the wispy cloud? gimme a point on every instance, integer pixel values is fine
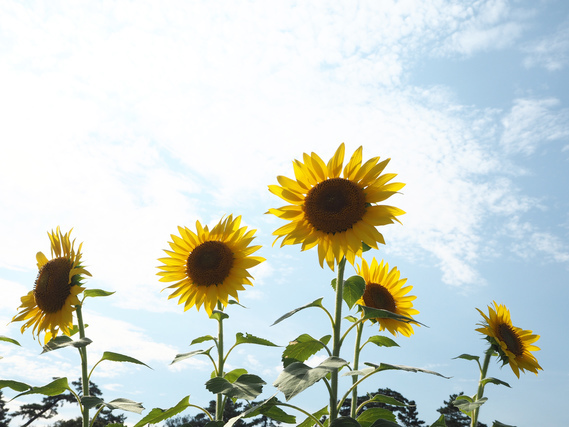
(551, 51)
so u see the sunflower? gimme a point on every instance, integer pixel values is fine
(209, 266)
(513, 344)
(384, 290)
(336, 213)
(50, 306)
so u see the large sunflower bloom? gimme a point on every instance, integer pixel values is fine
(384, 290)
(513, 344)
(209, 266)
(50, 306)
(336, 213)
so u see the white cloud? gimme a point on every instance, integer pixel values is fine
(551, 51)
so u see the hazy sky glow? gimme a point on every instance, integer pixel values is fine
(126, 119)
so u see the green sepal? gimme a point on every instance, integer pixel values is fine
(247, 386)
(219, 315)
(499, 424)
(381, 341)
(96, 293)
(65, 341)
(354, 288)
(496, 381)
(367, 418)
(180, 357)
(366, 247)
(54, 388)
(345, 422)
(203, 339)
(315, 303)
(157, 414)
(297, 376)
(7, 339)
(15, 385)
(252, 339)
(377, 313)
(304, 346)
(231, 376)
(387, 366)
(440, 422)
(117, 357)
(309, 422)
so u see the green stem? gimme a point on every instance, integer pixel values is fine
(336, 339)
(220, 362)
(480, 392)
(84, 371)
(357, 350)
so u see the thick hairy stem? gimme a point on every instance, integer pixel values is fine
(480, 392)
(336, 339)
(84, 370)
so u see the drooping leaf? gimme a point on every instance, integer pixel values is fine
(247, 386)
(65, 341)
(157, 414)
(117, 357)
(96, 293)
(180, 357)
(387, 400)
(231, 376)
(387, 366)
(376, 313)
(14, 385)
(232, 301)
(360, 372)
(7, 339)
(468, 405)
(219, 315)
(304, 346)
(440, 422)
(354, 288)
(496, 381)
(125, 405)
(245, 413)
(315, 303)
(54, 388)
(499, 424)
(344, 422)
(467, 357)
(203, 339)
(369, 416)
(309, 422)
(252, 339)
(270, 409)
(382, 341)
(297, 376)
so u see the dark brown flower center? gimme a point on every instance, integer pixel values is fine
(507, 335)
(52, 285)
(377, 296)
(209, 263)
(334, 205)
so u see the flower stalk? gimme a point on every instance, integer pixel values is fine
(84, 369)
(219, 405)
(336, 339)
(480, 392)
(357, 349)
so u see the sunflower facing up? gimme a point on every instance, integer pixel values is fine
(50, 306)
(209, 266)
(513, 344)
(336, 213)
(384, 290)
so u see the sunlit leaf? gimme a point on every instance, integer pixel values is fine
(467, 357)
(315, 303)
(247, 386)
(157, 414)
(440, 422)
(245, 413)
(252, 339)
(125, 405)
(360, 372)
(219, 315)
(54, 388)
(65, 341)
(468, 405)
(231, 376)
(369, 416)
(117, 357)
(354, 288)
(7, 339)
(309, 422)
(304, 346)
(202, 339)
(180, 357)
(14, 385)
(382, 341)
(271, 410)
(96, 293)
(376, 313)
(387, 400)
(91, 401)
(351, 319)
(496, 381)
(387, 366)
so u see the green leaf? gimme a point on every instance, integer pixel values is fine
(376, 313)
(243, 414)
(117, 357)
(231, 376)
(387, 366)
(360, 372)
(219, 315)
(232, 301)
(247, 386)
(309, 422)
(91, 401)
(354, 288)
(344, 422)
(315, 303)
(351, 319)
(203, 339)
(468, 405)
(125, 405)
(384, 423)
(297, 376)
(271, 410)
(215, 424)
(304, 346)
(369, 416)
(180, 357)
(65, 341)
(366, 247)
(440, 422)
(157, 414)
(467, 357)
(387, 400)
(499, 424)
(494, 381)
(13, 341)
(14, 385)
(333, 284)
(52, 389)
(381, 341)
(252, 339)
(96, 293)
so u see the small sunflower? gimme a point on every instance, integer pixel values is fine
(50, 306)
(384, 290)
(513, 344)
(209, 266)
(335, 212)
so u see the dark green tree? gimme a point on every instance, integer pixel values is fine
(453, 416)
(407, 415)
(4, 418)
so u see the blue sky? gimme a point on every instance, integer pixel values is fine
(127, 119)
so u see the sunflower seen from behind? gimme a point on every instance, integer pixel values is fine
(209, 266)
(514, 345)
(50, 305)
(334, 207)
(385, 290)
